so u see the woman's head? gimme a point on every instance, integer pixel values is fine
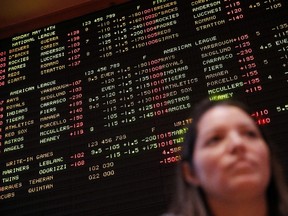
(224, 143)
(229, 155)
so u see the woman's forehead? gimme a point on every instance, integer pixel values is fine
(224, 115)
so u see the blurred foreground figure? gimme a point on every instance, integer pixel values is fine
(228, 167)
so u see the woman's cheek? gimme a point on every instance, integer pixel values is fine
(207, 166)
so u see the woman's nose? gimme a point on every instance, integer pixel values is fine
(236, 142)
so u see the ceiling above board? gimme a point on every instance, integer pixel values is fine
(17, 16)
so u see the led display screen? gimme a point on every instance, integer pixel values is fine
(93, 110)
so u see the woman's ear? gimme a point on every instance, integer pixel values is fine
(189, 174)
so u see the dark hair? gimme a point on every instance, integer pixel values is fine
(190, 200)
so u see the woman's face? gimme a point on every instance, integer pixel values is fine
(230, 158)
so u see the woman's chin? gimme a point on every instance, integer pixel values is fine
(247, 185)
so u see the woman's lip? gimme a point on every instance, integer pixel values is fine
(242, 164)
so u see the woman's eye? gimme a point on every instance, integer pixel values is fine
(251, 134)
(213, 140)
